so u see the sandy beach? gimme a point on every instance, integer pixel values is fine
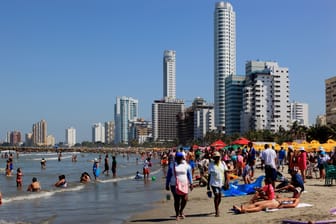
(200, 208)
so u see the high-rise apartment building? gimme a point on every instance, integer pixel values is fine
(70, 136)
(40, 133)
(234, 85)
(169, 74)
(330, 100)
(140, 130)
(98, 133)
(15, 138)
(224, 56)
(299, 113)
(204, 118)
(125, 110)
(109, 132)
(265, 97)
(164, 119)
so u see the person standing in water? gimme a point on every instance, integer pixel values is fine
(95, 169)
(114, 166)
(34, 186)
(106, 165)
(61, 181)
(19, 178)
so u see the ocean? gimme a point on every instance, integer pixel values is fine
(108, 200)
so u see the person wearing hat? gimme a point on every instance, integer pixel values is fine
(322, 159)
(217, 179)
(95, 168)
(179, 174)
(302, 162)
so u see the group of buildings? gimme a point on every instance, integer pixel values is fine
(258, 100)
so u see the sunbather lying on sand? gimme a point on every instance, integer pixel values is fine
(262, 205)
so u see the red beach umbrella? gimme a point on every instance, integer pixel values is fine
(240, 141)
(218, 144)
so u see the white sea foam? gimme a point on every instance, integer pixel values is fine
(41, 194)
(53, 158)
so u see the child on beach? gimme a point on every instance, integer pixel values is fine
(19, 178)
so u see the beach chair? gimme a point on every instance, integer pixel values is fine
(330, 171)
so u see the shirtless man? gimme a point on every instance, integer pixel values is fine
(34, 186)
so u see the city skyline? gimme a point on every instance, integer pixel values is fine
(66, 62)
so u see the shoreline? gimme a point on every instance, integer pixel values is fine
(200, 208)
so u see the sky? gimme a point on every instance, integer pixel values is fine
(67, 61)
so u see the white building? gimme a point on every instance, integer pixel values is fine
(299, 113)
(98, 133)
(125, 111)
(169, 74)
(109, 132)
(265, 97)
(204, 118)
(224, 55)
(70, 136)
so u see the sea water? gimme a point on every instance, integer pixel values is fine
(108, 200)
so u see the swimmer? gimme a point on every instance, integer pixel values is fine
(138, 176)
(61, 181)
(85, 178)
(34, 186)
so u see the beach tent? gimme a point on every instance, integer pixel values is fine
(219, 144)
(240, 141)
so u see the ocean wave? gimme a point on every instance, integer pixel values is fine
(124, 178)
(53, 158)
(41, 194)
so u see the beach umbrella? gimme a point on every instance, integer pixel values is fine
(277, 146)
(241, 141)
(195, 147)
(219, 144)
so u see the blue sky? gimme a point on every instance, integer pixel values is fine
(67, 61)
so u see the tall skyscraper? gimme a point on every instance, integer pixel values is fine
(265, 97)
(40, 133)
(330, 100)
(98, 133)
(299, 113)
(70, 136)
(169, 74)
(224, 56)
(125, 110)
(234, 85)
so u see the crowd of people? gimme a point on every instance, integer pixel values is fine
(217, 167)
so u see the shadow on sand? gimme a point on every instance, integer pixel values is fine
(172, 218)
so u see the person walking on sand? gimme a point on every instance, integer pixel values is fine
(217, 179)
(179, 174)
(302, 162)
(114, 166)
(106, 165)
